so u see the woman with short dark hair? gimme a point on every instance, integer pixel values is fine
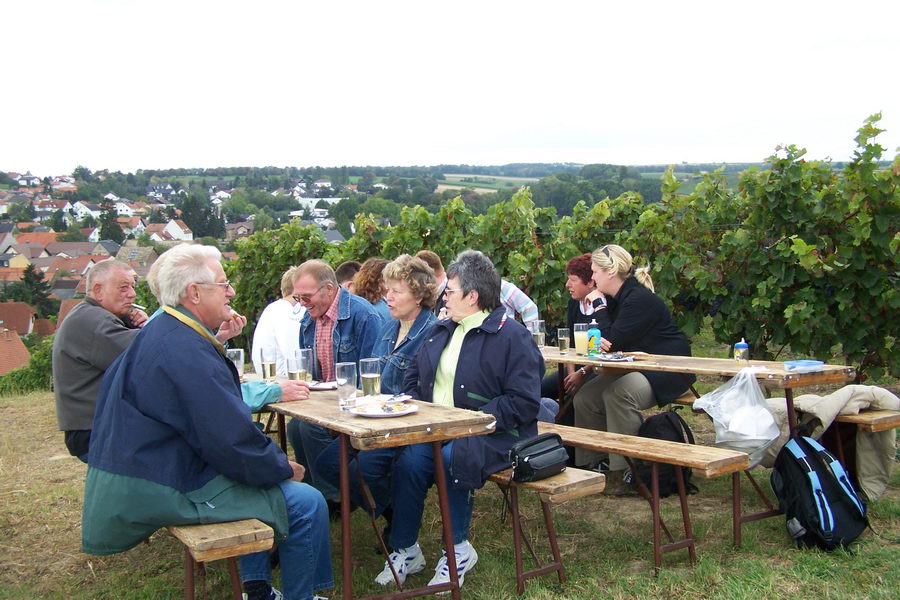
(476, 359)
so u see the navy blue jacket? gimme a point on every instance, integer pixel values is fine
(499, 373)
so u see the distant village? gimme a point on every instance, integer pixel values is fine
(64, 264)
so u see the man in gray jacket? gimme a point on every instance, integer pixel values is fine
(90, 338)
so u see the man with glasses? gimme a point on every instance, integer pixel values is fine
(339, 327)
(173, 443)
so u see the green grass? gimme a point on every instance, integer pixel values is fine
(605, 541)
(487, 181)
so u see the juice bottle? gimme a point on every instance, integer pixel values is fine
(593, 339)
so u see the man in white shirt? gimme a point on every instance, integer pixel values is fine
(279, 327)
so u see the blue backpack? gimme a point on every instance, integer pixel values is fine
(821, 506)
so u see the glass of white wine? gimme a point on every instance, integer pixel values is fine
(370, 373)
(562, 339)
(303, 358)
(537, 332)
(268, 357)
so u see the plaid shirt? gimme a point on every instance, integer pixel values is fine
(325, 341)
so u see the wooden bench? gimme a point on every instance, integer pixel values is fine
(215, 541)
(704, 460)
(868, 420)
(568, 485)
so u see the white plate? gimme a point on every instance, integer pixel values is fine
(386, 398)
(380, 410)
(612, 357)
(323, 385)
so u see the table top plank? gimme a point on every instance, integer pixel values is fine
(430, 423)
(775, 375)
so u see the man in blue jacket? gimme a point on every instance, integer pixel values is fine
(173, 444)
(339, 327)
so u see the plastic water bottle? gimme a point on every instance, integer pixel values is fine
(742, 353)
(593, 336)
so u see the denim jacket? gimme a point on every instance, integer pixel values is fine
(354, 334)
(395, 361)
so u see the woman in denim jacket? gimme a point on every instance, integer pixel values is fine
(411, 288)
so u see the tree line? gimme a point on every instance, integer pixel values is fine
(798, 258)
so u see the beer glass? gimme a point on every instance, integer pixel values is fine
(370, 373)
(268, 357)
(537, 332)
(562, 339)
(345, 375)
(236, 356)
(304, 361)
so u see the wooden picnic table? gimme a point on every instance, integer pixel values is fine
(772, 374)
(430, 424)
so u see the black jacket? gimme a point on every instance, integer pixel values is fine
(636, 319)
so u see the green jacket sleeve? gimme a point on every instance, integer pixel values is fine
(257, 394)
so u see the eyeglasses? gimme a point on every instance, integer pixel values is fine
(225, 284)
(605, 251)
(307, 298)
(449, 291)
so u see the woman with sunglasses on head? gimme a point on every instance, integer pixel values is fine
(635, 319)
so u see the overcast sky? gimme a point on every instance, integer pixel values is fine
(127, 85)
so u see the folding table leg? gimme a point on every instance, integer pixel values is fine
(444, 500)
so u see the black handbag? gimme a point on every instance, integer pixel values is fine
(538, 458)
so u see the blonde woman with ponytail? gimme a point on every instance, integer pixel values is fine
(635, 319)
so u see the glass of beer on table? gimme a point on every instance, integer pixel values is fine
(370, 373)
(268, 358)
(562, 338)
(300, 367)
(537, 332)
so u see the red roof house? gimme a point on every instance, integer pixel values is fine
(13, 353)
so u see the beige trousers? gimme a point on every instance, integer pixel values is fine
(611, 402)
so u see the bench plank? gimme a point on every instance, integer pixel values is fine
(873, 420)
(562, 487)
(215, 541)
(706, 461)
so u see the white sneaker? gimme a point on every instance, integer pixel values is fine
(465, 562)
(406, 561)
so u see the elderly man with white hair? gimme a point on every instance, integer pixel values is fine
(173, 443)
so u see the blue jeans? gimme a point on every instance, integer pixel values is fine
(413, 476)
(306, 554)
(376, 466)
(308, 441)
(547, 411)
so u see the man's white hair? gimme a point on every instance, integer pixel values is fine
(184, 265)
(101, 272)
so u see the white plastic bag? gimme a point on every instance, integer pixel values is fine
(740, 415)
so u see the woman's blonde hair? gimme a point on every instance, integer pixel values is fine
(417, 274)
(616, 259)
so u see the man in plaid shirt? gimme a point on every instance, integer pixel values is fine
(339, 327)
